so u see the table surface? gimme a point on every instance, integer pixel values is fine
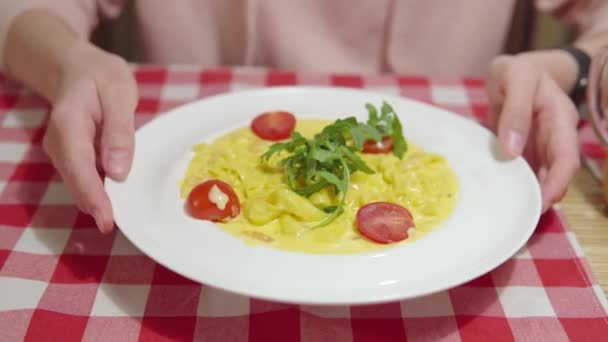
(586, 211)
(101, 287)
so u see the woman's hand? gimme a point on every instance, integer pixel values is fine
(92, 125)
(535, 118)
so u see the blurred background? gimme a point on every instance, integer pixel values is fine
(529, 30)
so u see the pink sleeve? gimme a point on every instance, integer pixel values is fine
(587, 17)
(81, 15)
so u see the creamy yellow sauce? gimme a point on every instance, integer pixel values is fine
(273, 215)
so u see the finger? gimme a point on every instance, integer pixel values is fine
(494, 90)
(69, 143)
(542, 174)
(536, 147)
(493, 114)
(118, 101)
(531, 154)
(561, 150)
(520, 84)
(561, 169)
(558, 176)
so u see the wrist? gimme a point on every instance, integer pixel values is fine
(37, 60)
(557, 64)
(75, 58)
(87, 64)
(583, 61)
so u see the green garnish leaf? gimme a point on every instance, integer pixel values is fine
(330, 209)
(331, 156)
(333, 179)
(362, 132)
(399, 143)
(323, 155)
(358, 138)
(394, 128)
(355, 161)
(373, 113)
(312, 188)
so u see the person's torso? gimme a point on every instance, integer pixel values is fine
(436, 37)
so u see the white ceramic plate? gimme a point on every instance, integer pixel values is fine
(498, 209)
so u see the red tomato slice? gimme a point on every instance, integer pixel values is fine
(274, 125)
(202, 206)
(384, 222)
(384, 146)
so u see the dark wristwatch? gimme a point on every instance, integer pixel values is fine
(583, 60)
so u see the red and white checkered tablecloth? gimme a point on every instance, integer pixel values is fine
(60, 280)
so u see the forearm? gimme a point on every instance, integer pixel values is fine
(38, 48)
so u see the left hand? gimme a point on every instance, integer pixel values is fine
(535, 118)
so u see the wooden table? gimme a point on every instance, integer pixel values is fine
(587, 213)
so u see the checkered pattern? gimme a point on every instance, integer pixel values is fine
(61, 280)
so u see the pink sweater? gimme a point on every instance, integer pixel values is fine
(434, 37)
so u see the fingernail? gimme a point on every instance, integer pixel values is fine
(548, 198)
(117, 161)
(98, 220)
(515, 142)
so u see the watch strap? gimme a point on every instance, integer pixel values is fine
(583, 61)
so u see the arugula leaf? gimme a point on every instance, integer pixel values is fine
(274, 149)
(388, 124)
(373, 114)
(330, 157)
(399, 143)
(290, 146)
(340, 208)
(370, 132)
(363, 132)
(356, 161)
(323, 155)
(333, 179)
(358, 137)
(312, 188)
(310, 161)
(330, 209)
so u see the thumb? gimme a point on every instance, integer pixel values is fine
(118, 103)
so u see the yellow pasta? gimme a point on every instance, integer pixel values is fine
(275, 216)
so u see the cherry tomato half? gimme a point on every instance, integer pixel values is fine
(384, 222)
(213, 200)
(274, 125)
(384, 146)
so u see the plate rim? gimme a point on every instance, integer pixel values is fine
(378, 299)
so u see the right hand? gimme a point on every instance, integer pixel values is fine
(535, 118)
(92, 124)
